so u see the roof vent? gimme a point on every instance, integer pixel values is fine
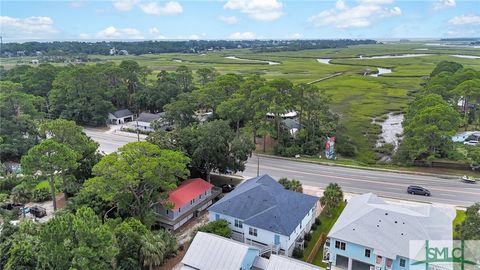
(386, 214)
(402, 233)
(396, 222)
(378, 226)
(379, 220)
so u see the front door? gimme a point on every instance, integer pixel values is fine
(217, 216)
(277, 239)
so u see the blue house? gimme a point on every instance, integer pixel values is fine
(371, 234)
(263, 213)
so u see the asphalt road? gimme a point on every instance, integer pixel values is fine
(385, 184)
(109, 142)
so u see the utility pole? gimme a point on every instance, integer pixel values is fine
(258, 165)
(138, 133)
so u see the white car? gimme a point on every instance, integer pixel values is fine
(471, 143)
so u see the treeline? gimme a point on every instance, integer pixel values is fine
(147, 47)
(86, 93)
(448, 103)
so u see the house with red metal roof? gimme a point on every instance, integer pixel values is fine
(188, 199)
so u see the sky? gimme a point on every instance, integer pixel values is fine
(22, 20)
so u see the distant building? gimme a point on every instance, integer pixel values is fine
(189, 198)
(123, 52)
(463, 136)
(213, 252)
(120, 117)
(113, 51)
(276, 219)
(34, 62)
(372, 234)
(145, 120)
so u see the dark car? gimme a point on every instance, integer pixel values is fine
(38, 211)
(227, 188)
(418, 190)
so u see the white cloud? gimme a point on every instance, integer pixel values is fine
(119, 33)
(125, 5)
(443, 4)
(260, 10)
(242, 35)
(27, 28)
(361, 15)
(194, 36)
(228, 19)
(154, 8)
(340, 5)
(465, 19)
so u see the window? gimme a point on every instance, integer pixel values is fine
(179, 209)
(340, 245)
(300, 225)
(252, 231)
(238, 223)
(167, 211)
(402, 262)
(367, 252)
(192, 201)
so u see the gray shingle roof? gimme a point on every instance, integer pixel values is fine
(263, 203)
(371, 222)
(149, 117)
(122, 113)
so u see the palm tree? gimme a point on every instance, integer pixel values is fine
(171, 244)
(332, 196)
(152, 250)
(295, 185)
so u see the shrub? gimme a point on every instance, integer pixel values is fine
(297, 253)
(41, 192)
(314, 226)
(307, 237)
(318, 222)
(218, 227)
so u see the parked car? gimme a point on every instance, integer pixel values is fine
(227, 188)
(418, 190)
(472, 142)
(38, 211)
(469, 179)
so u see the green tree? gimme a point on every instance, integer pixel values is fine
(52, 160)
(152, 250)
(446, 66)
(234, 109)
(181, 111)
(38, 81)
(428, 129)
(68, 133)
(218, 227)
(332, 197)
(184, 78)
(76, 241)
(206, 75)
(80, 93)
(469, 229)
(20, 112)
(128, 237)
(468, 90)
(134, 177)
(21, 247)
(293, 185)
(214, 146)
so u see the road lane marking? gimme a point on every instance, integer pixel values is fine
(363, 180)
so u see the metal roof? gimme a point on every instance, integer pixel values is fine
(278, 262)
(149, 117)
(270, 206)
(187, 191)
(369, 221)
(213, 252)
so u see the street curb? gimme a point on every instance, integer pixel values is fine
(358, 167)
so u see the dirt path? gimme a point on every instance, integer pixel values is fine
(326, 78)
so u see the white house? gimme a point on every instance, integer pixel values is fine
(373, 234)
(145, 120)
(120, 117)
(262, 212)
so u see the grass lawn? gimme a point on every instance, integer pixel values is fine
(327, 224)
(458, 219)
